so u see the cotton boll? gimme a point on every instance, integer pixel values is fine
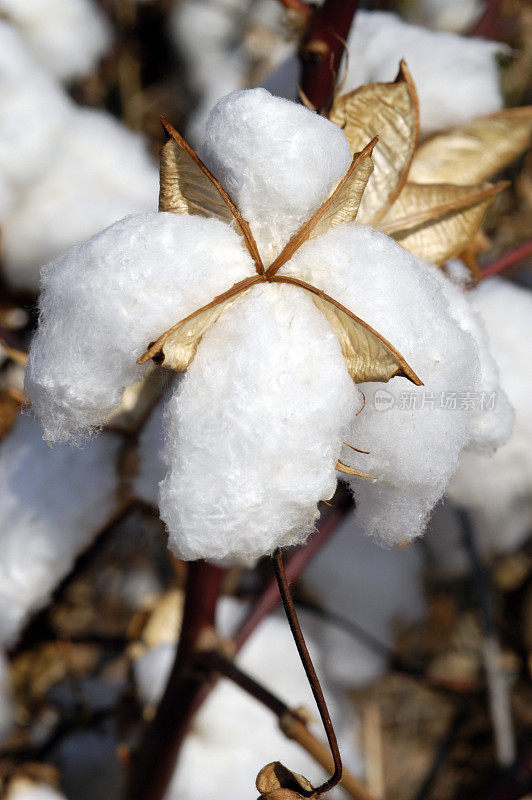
(52, 504)
(34, 112)
(151, 672)
(456, 77)
(277, 160)
(100, 173)
(414, 443)
(263, 421)
(497, 490)
(234, 736)
(347, 576)
(68, 37)
(105, 300)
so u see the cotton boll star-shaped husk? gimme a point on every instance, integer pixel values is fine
(251, 378)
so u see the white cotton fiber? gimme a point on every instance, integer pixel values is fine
(370, 586)
(34, 112)
(497, 490)
(456, 77)
(68, 37)
(277, 160)
(254, 429)
(53, 501)
(413, 451)
(234, 736)
(104, 301)
(100, 172)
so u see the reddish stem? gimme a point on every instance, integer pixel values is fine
(508, 260)
(153, 763)
(321, 50)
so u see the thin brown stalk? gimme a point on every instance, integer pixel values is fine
(297, 633)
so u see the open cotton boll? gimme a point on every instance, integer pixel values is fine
(68, 37)
(497, 490)
(264, 161)
(456, 77)
(100, 172)
(106, 299)
(52, 503)
(234, 736)
(413, 439)
(263, 421)
(34, 112)
(347, 576)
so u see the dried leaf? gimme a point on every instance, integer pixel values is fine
(437, 221)
(368, 356)
(389, 111)
(341, 467)
(188, 187)
(177, 346)
(276, 782)
(474, 152)
(341, 206)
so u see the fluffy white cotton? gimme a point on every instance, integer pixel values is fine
(104, 301)
(34, 111)
(52, 503)
(456, 77)
(100, 172)
(264, 421)
(443, 15)
(68, 37)
(348, 576)
(413, 438)
(278, 162)
(497, 490)
(233, 736)
(22, 789)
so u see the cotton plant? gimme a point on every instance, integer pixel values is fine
(457, 77)
(68, 37)
(233, 735)
(235, 302)
(67, 176)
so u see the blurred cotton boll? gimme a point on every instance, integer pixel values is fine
(52, 504)
(233, 735)
(443, 15)
(456, 77)
(68, 37)
(23, 789)
(100, 172)
(497, 490)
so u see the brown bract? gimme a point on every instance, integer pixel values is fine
(188, 187)
(277, 782)
(432, 199)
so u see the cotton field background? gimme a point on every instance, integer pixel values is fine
(286, 329)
